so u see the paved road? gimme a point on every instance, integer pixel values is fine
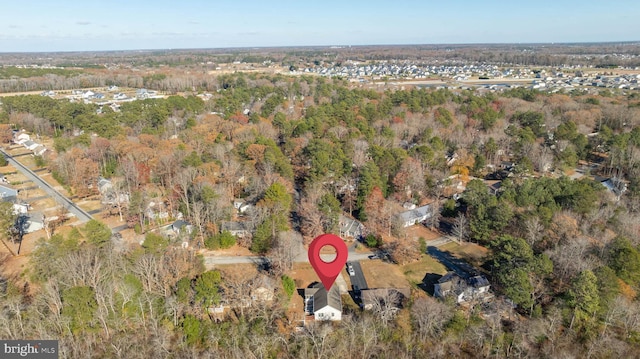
(74, 209)
(211, 260)
(298, 251)
(440, 241)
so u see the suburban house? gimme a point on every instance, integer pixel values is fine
(241, 206)
(109, 194)
(494, 187)
(321, 304)
(8, 194)
(181, 226)
(155, 210)
(30, 145)
(88, 94)
(20, 208)
(142, 93)
(40, 150)
(21, 138)
(31, 223)
(464, 290)
(238, 229)
(416, 215)
(350, 228)
(614, 185)
(104, 185)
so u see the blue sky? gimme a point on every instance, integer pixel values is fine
(89, 25)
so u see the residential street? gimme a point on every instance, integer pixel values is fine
(300, 257)
(80, 213)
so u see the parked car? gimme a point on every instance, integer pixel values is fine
(350, 270)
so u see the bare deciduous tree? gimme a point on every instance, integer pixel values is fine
(430, 316)
(533, 230)
(460, 228)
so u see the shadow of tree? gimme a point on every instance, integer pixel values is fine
(460, 266)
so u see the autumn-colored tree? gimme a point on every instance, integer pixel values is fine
(86, 178)
(374, 207)
(5, 133)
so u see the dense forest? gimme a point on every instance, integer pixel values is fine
(302, 150)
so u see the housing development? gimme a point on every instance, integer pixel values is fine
(162, 203)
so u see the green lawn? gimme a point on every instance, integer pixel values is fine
(416, 271)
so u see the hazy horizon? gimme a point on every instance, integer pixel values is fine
(329, 46)
(42, 26)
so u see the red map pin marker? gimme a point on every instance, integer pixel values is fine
(328, 272)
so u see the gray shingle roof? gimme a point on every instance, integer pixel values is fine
(8, 194)
(415, 214)
(322, 299)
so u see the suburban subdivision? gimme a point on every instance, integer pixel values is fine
(161, 204)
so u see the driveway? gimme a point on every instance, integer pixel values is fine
(457, 265)
(357, 280)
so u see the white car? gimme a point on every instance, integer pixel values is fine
(350, 270)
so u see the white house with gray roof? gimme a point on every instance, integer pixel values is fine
(416, 215)
(322, 304)
(350, 227)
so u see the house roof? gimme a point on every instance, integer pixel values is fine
(452, 282)
(349, 225)
(180, 223)
(416, 213)
(8, 194)
(234, 226)
(322, 298)
(613, 185)
(478, 281)
(494, 186)
(36, 217)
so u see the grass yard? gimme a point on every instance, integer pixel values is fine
(417, 231)
(416, 271)
(381, 274)
(303, 274)
(472, 252)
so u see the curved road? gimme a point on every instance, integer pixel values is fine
(80, 213)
